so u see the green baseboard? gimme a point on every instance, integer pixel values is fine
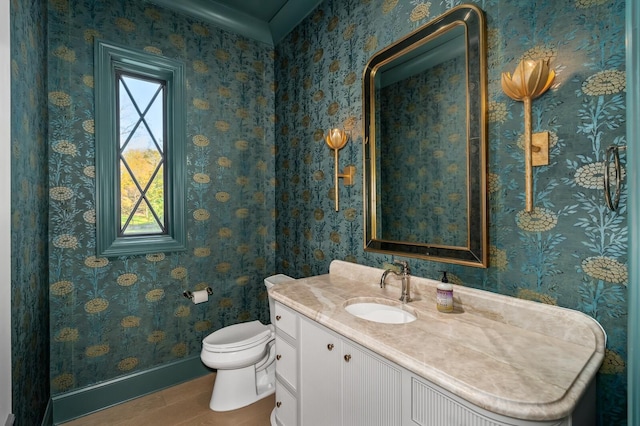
(80, 402)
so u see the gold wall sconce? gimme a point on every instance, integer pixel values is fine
(336, 140)
(530, 80)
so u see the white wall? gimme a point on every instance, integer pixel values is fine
(5, 215)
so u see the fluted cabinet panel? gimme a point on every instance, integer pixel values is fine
(431, 407)
(372, 390)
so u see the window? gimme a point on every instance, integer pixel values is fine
(141, 124)
(140, 156)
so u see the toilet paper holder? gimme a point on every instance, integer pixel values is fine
(189, 295)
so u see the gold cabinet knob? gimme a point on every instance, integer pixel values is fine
(278, 357)
(278, 404)
(330, 346)
(347, 357)
(278, 317)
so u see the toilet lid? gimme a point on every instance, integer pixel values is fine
(237, 336)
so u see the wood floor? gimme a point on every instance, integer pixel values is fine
(180, 405)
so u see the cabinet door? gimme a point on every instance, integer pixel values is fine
(372, 389)
(320, 363)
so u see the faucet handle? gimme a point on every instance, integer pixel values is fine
(404, 264)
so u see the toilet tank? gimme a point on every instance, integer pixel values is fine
(270, 282)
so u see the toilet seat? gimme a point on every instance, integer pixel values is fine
(237, 337)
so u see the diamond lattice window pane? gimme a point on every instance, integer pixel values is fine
(143, 163)
(144, 221)
(140, 91)
(156, 110)
(129, 117)
(130, 194)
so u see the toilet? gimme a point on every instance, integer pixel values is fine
(243, 355)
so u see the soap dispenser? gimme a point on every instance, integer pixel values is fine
(444, 295)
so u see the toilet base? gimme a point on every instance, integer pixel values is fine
(237, 389)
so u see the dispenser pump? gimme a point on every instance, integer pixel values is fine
(444, 278)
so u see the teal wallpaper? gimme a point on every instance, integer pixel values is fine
(259, 196)
(29, 204)
(571, 251)
(115, 316)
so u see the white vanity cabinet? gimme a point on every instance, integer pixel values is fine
(496, 361)
(323, 378)
(286, 366)
(342, 383)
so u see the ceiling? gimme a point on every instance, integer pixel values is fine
(267, 21)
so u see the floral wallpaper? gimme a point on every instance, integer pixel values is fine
(29, 290)
(259, 198)
(116, 316)
(423, 181)
(570, 251)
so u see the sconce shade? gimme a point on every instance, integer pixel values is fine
(336, 139)
(530, 79)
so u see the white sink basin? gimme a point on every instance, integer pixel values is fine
(379, 312)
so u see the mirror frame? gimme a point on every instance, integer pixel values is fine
(476, 252)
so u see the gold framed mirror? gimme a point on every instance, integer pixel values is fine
(425, 142)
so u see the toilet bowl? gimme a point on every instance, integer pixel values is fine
(243, 355)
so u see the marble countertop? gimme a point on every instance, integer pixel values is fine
(513, 357)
